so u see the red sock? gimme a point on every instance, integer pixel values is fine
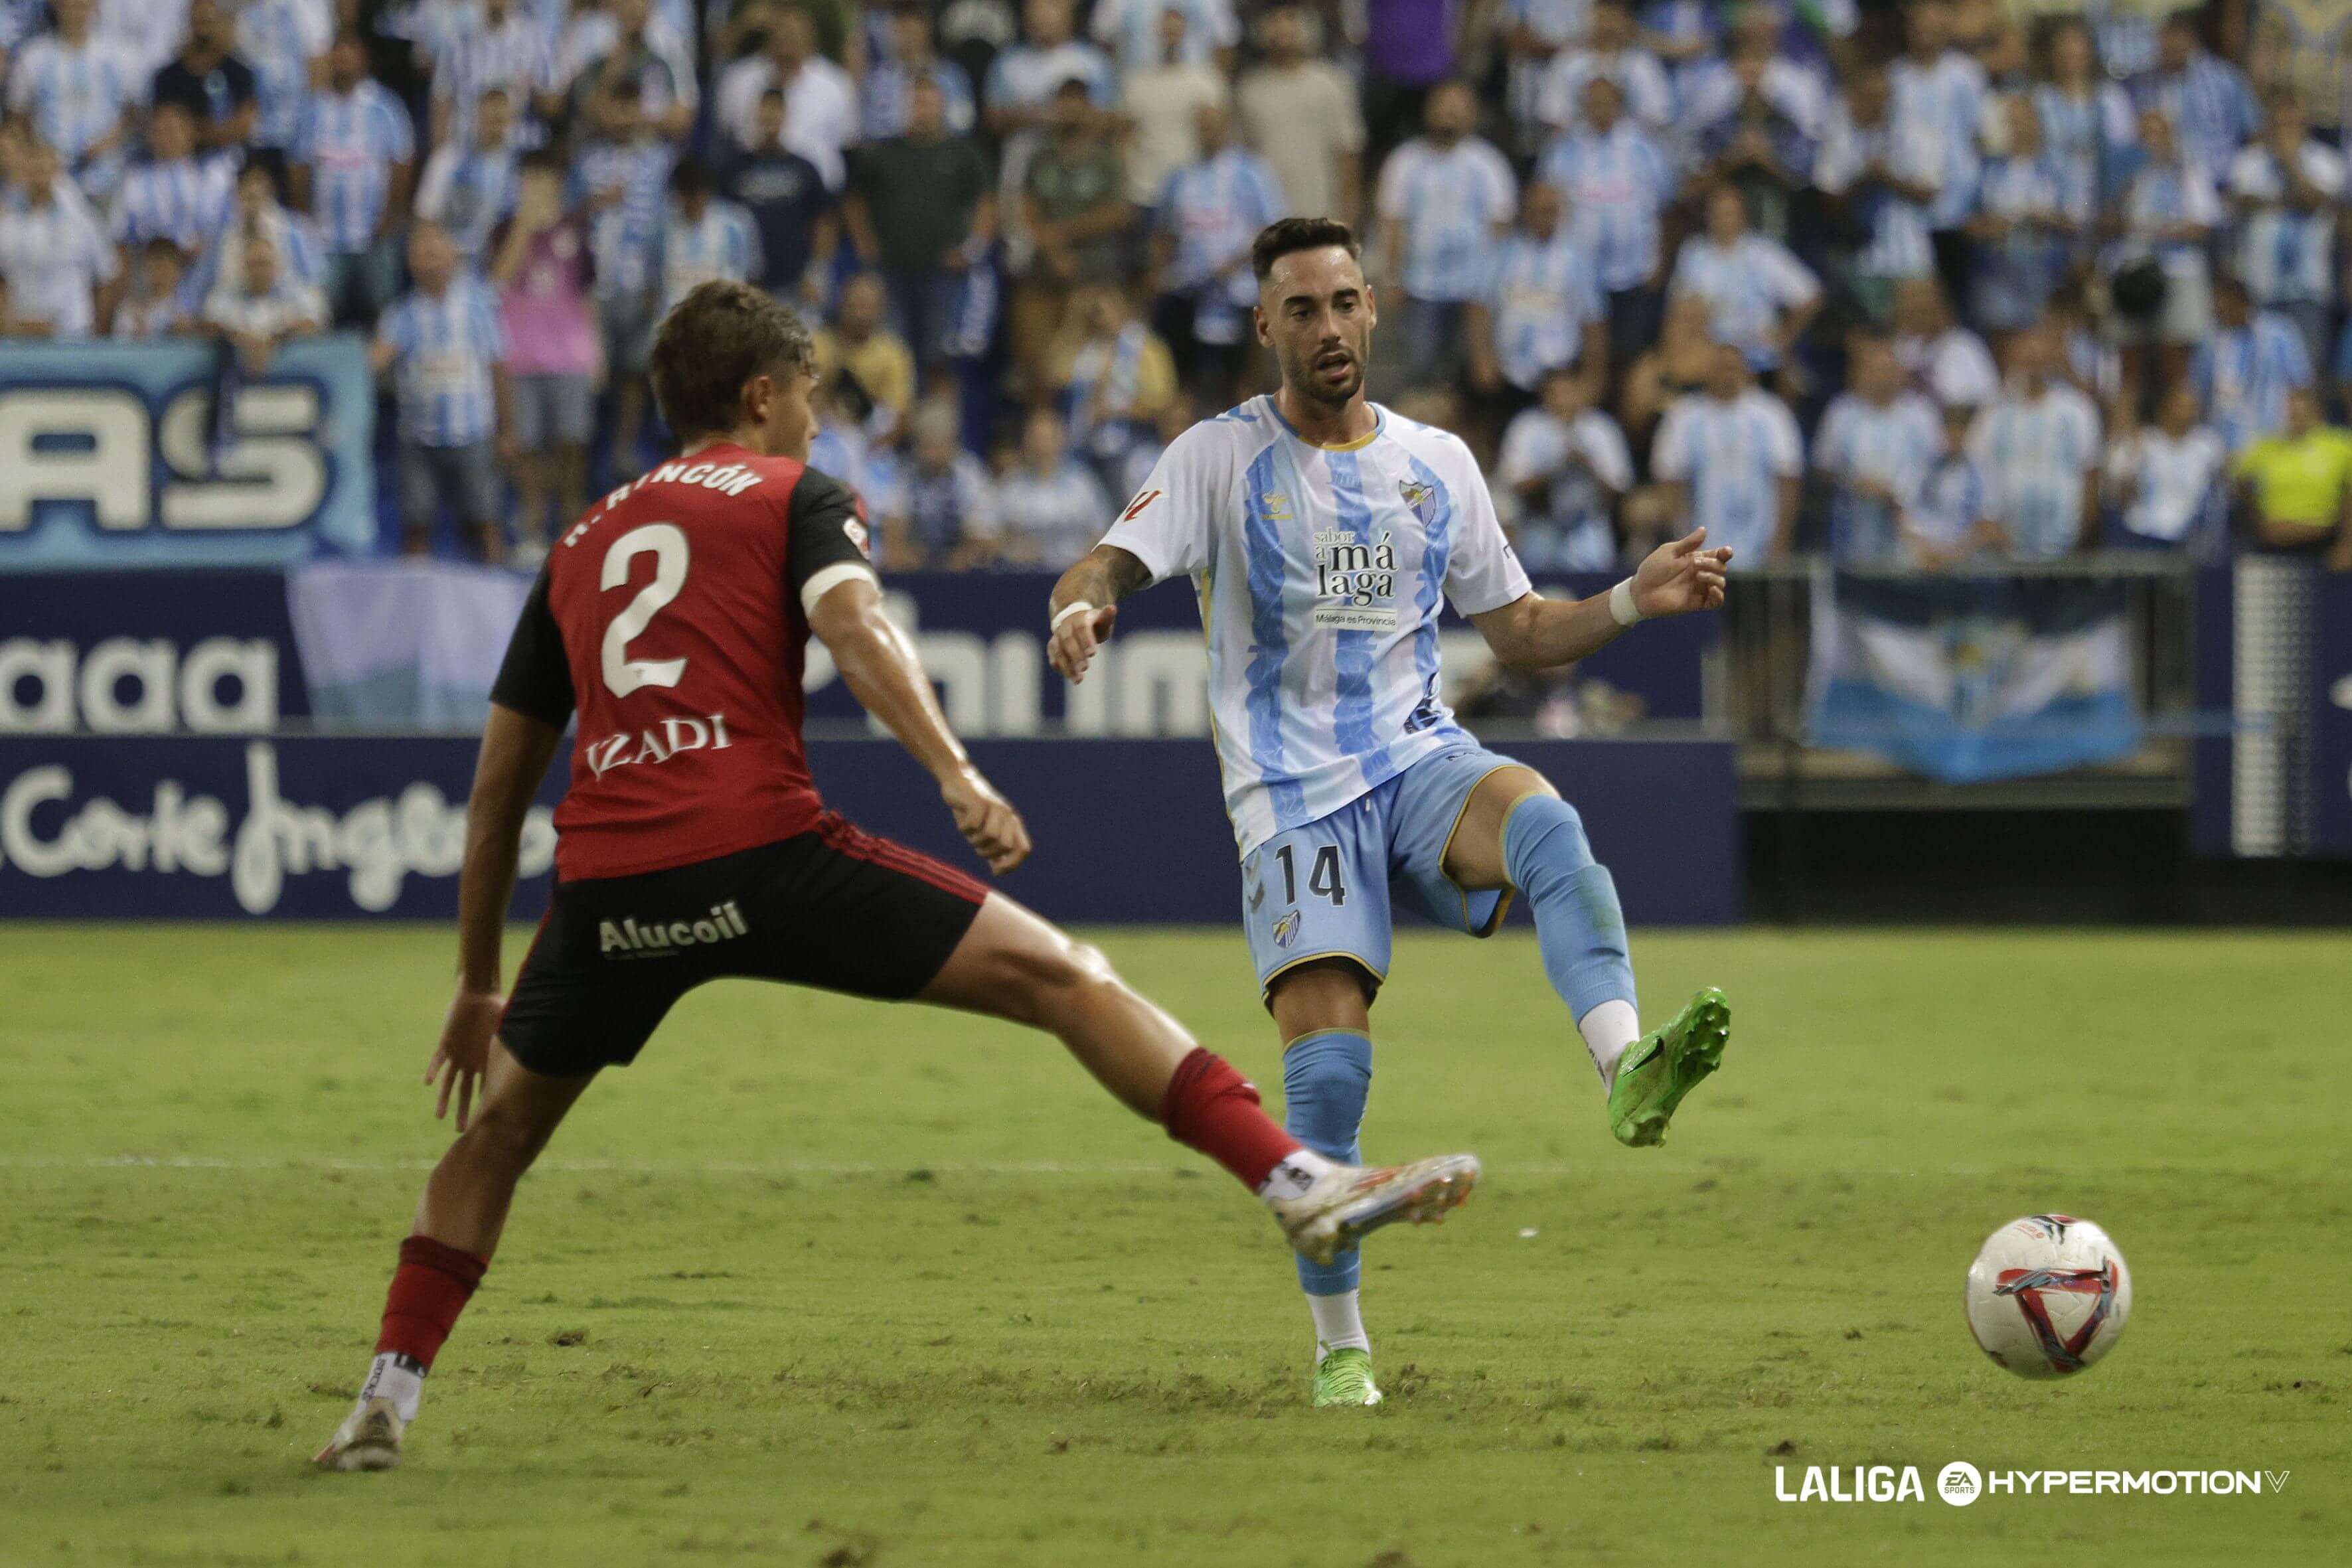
(1212, 1107)
(431, 1288)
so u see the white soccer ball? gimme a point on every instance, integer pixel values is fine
(2048, 1295)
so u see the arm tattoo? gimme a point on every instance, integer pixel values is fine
(1107, 575)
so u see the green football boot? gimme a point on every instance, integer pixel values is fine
(1659, 1068)
(1344, 1377)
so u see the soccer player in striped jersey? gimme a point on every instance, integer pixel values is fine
(1320, 531)
(674, 621)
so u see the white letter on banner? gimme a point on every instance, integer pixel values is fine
(52, 665)
(1016, 666)
(274, 474)
(112, 475)
(254, 665)
(34, 857)
(151, 663)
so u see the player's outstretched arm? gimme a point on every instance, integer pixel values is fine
(1086, 603)
(1676, 579)
(879, 664)
(516, 750)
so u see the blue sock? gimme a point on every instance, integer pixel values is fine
(1579, 926)
(1325, 1078)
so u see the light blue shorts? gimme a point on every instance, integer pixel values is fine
(1327, 888)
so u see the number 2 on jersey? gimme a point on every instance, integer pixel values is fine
(666, 543)
(1322, 877)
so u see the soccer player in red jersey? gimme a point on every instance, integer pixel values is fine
(691, 844)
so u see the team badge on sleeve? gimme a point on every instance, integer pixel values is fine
(854, 527)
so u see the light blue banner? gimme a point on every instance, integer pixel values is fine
(104, 458)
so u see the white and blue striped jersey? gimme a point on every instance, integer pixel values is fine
(53, 257)
(1055, 515)
(1747, 285)
(183, 201)
(624, 237)
(1948, 502)
(1023, 76)
(2086, 137)
(469, 192)
(441, 377)
(1450, 201)
(515, 54)
(1892, 445)
(1319, 572)
(1898, 244)
(2286, 255)
(2212, 110)
(1542, 295)
(2034, 452)
(351, 140)
(2242, 375)
(1946, 102)
(1557, 24)
(722, 245)
(1732, 456)
(21, 19)
(2172, 484)
(1649, 96)
(1212, 208)
(1130, 29)
(1616, 185)
(74, 96)
(885, 101)
(279, 39)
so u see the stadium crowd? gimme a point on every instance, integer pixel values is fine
(1949, 280)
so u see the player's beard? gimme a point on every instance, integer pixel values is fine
(1306, 381)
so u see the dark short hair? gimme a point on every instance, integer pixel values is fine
(1286, 235)
(711, 344)
(691, 177)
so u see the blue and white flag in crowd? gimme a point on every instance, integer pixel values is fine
(1965, 677)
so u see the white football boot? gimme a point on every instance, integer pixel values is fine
(1350, 1202)
(369, 1438)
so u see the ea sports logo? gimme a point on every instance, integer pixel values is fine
(1958, 1483)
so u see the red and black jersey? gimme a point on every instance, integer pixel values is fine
(671, 616)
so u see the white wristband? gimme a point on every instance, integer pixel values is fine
(1622, 608)
(1075, 607)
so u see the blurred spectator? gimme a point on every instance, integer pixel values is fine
(2087, 123)
(286, 42)
(2169, 211)
(1676, 366)
(1134, 32)
(1617, 184)
(208, 80)
(1075, 212)
(172, 195)
(1760, 298)
(2162, 475)
(1025, 77)
(1408, 55)
(860, 348)
(1541, 308)
(499, 46)
(946, 519)
(259, 308)
(2244, 371)
(913, 58)
(1446, 197)
(1731, 460)
(2284, 188)
(257, 212)
(1162, 103)
(1052, 510)
(1564, 462)
(655, 45)
(2023, 230)
(2205, 101)
(1947, 516)
(1874, 443)
(549, 318)
(1301, 115)
(2299, 484)
(1882, 173)
(800, 233)
(820, 100)
(151, 307)
(60, 271)
(1684, 35)
(445, 349)
(1112, 377)
(1938, 94)
(1942, 358)
(1755, 68)
(1207, 217)
(355, 156)
(1533, 33)
(623, 180)
(2038, 444)
(919, 210)
(1611, 52)
(705, 238)
(77, 92)
(1757, 142)
(147, 31)
(469, 187)
(649, 68)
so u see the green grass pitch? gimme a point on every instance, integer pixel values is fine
(823, 1283)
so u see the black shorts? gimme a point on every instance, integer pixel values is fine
(832, 908)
